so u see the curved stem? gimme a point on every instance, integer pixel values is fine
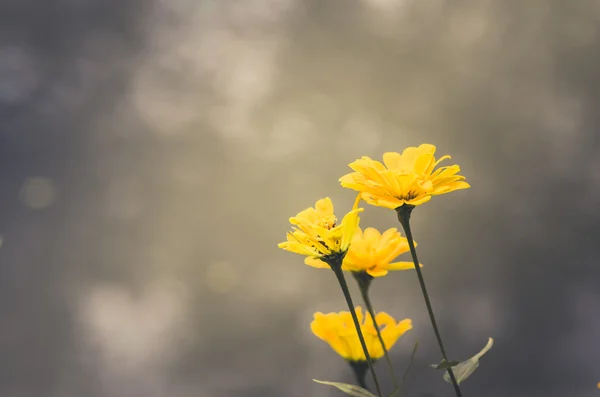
(410, 363)
(404, 218)
(364, 282)
(339, 273)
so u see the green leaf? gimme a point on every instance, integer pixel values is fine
(445, 364)
(347, 388)
(463, 370)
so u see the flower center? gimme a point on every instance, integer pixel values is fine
(328, 223)
(411, 194)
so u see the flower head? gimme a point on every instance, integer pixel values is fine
(339, 331)
(317, 235)
(373, 252)
(408, 178)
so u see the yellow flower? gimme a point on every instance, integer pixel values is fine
(408, 178)
(373, 252)
(316, 234)
(339, 331)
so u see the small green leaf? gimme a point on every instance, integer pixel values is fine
(445, 364)
(347, 388)
(463, 370)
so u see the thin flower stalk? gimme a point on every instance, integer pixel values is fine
(364, 282)
(404, 218)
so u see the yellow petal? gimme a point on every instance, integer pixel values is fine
(316, 262)
(377, 272)
(405, 183)
(390, 335)
(424, 163)
(349, 225)
(409, 156)
(356, 201)
(297, 248)
(324, 207)
(446, 157)
(391, 160)
(419, 200)
(386, 202)
(358, 183)
(396, 247)
(459, 185)
(323, 329)
(391, 238)
(358, 234)
(402, 266)
(371, 237)
(369, 168)
(392, 186)
(427, 148)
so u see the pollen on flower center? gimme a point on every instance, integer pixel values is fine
(329, 223)
(411, 194)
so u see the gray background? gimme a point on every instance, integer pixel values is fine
(170, 140)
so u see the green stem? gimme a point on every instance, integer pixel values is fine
(404, 218)
(364, 282)
(410, 363)
(360, 371)
(336, 266)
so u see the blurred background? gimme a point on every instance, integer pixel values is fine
(152, 152)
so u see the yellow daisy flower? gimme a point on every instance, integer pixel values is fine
(338, 330)
(317, 235)
(408, 178)
(373, 252)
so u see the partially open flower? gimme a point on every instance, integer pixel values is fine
(408, 178)
(373, 252)
(317, 235)
(338, 330)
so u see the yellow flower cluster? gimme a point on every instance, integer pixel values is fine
(403, 180)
